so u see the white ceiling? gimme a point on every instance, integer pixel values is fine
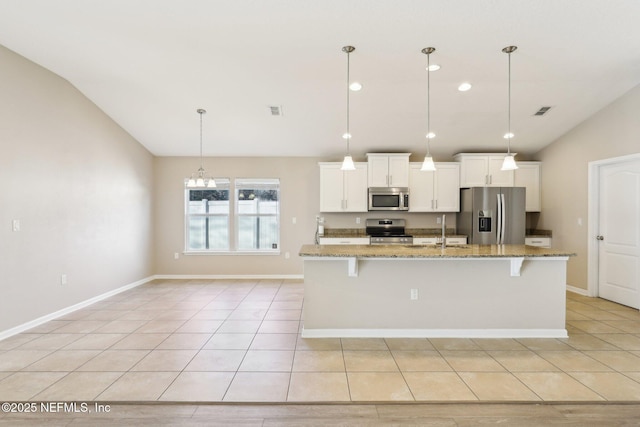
(149, 64)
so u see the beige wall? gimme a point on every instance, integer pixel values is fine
(300, 187)
(81, 188)
(614, 131)
(299, 183)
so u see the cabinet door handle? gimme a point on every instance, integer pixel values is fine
(486, 179)
(490, 179)
(436, 203)
(600, 237)
(390, 180)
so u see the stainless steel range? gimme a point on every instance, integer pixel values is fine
(387, 232)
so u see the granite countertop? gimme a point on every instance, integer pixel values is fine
(344, 232)
(429, 251)
(415, 232)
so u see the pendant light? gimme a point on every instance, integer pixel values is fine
(509, 163)
(427, 164)
(347, 163)
(200, 178)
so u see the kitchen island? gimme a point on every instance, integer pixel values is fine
(479, 291)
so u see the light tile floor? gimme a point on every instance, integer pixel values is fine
(239, 341)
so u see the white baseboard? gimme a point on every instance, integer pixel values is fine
(40, 320)
(434, 333)
(578, 291)
(229, 276)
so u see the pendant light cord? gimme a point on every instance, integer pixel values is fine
(509, 108)
(428, 51)
(200, 140)
(428, 104)
(201, 112)
(348, 76)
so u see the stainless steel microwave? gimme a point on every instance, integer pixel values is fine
(388, 199)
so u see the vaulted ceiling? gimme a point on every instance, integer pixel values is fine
(149, 64)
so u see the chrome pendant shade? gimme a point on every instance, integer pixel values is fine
(347, 163)
(427, 164)
(509, 163)
(200, 179)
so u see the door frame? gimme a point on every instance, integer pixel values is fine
(593, 219)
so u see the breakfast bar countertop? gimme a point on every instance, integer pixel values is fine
(430, 251)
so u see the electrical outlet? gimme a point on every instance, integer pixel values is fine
(294, 220)
(176, 255)
(63, 279)
(16, 225)
(579, 222)
(287, 255)
(438, 220)
(414, 294)
(357, 220)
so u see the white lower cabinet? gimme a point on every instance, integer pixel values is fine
(451, 241)
(543, 242)
(344, 240)
(437, 191)
(343, 191)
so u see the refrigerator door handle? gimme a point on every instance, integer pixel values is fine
(499, 221)
(504, 219)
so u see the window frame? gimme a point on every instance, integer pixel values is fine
(226, 185)
(238, 185)
(233, 223)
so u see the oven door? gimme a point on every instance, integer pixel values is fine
(388, 199)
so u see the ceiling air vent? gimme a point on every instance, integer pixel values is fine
(276, 110)
(542, 111)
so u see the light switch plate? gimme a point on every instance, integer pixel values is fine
(16, 225)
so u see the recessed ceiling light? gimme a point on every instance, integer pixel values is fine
(430, 135)
(346, 135)
(464, 87)
(433, 67)
(355, 86)
(508, 135)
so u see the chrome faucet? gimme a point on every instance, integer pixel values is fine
(444, 242)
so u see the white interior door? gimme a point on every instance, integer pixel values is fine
(619, 233)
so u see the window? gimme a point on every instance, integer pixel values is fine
(208, 218)
(254, 216)
(257, 214)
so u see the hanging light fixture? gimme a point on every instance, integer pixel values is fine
(427, 164)
(347, 163)
(509, 163)
(200, 178)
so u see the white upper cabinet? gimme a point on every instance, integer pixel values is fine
(388, 169)
(528, 175)
(343, 191)
(483, 170)
(437, 191)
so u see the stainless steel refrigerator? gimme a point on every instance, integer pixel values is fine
(492, 215)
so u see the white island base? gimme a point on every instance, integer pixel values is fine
(434, 297)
